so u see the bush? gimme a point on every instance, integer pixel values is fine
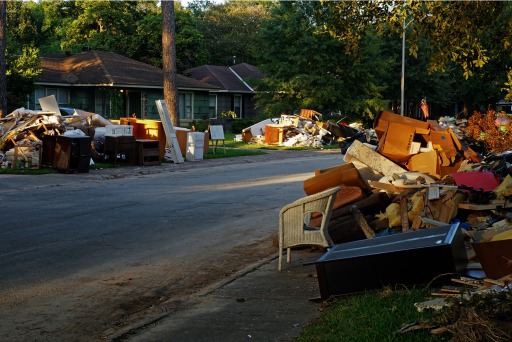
(238, 125)
(200, 126)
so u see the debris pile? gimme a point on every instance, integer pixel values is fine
(422, 175)
(23, 133)
(21, 140)
(470, 310)
(305, 130)
(423, 198)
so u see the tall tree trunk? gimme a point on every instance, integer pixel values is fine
(169, 60)
(3, 77)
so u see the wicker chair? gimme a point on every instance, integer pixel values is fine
(294, 218)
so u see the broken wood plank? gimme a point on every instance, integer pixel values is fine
(469, 282)
(494, 204)
(367, 230)
(403, 214)
(384, 186)
(445, 294)
(494, 282)
(452, 289)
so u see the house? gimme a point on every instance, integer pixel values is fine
(236, 88)
(115, 86)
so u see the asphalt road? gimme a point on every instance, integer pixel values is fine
(75, 250)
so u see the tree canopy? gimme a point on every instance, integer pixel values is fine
(333, 56)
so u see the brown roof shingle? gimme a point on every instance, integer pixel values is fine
(228, 78)
(107, 68)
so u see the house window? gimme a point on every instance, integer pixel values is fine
(61, 95)
(185, 105)
(212, 106)
(237, 105)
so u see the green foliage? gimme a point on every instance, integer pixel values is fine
(115, 98)
(231, 29)
(330, 56)
(310, 69)
(146, 43)
(20, 73)
(24, 22)
(190, 42)
(238, 125)
(199, 125)
(459, 32)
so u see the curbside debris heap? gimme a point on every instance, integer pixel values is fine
(423, 205)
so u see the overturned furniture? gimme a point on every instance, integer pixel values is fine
(415, 257)
(294, 222)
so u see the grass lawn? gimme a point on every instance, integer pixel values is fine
(372, 316)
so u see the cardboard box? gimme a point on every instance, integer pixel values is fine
(454, 167)
(384, 118)
(396, 142)
(425, 162)
(444, 141)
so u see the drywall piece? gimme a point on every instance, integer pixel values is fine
(49, 104)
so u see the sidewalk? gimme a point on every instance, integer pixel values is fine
(257, 304)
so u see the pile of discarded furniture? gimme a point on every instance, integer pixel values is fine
(417, 205)
(305, 130)
(33, 139)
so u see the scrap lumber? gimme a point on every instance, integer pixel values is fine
(368, 232)
(467, 281)
(18, 129)
(494, 282)
(403, 213)
(444, 294)
(494, 204)
(388, 187)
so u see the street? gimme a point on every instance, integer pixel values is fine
(84, 256)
